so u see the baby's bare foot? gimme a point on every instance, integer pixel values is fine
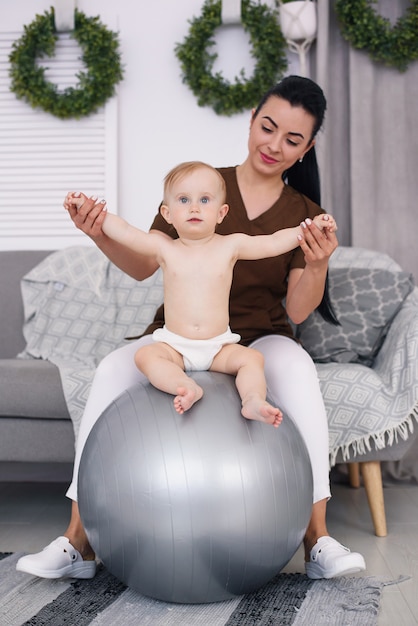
(186, 397)
(256, 409)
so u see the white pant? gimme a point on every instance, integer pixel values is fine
(292, 384)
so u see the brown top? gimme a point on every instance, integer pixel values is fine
(258, 287)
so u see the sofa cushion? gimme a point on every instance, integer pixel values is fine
(14, 264)
(31, 388)
(365, 301)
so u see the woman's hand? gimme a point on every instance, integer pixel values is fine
(317, 245)
(87, 214)
(305, 287)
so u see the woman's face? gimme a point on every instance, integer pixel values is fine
(280, 134)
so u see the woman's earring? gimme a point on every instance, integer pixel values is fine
(301, 159)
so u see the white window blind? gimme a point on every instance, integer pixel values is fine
(43, 157)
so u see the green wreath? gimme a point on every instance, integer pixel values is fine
(395, 46)
(100, 55)
(268, 49)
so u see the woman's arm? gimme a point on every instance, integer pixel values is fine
(89, 219)
(306, 285)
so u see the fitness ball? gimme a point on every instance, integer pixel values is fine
(193, 508)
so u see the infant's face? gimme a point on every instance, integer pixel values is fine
(196, 202)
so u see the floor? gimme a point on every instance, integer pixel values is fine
(32, 514)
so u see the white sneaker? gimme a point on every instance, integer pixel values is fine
(328, 559)
(58, 560)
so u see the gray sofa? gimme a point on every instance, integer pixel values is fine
(35, 425)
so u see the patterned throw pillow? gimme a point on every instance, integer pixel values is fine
(79, 307)
(365, 301)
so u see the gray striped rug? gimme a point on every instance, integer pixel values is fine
(289, 599)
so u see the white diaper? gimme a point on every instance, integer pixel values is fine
(197, 354)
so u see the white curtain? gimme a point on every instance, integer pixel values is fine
(368, 152)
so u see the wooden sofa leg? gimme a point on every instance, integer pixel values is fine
(354, 474)
(372, 478)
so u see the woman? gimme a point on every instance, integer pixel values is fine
(280, 148)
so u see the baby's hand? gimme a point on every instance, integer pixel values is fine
(325, 222)
(74, 199)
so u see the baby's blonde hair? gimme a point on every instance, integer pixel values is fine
(182, 170)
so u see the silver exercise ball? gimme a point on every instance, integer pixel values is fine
(193, 508)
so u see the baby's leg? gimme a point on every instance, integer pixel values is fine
(247, 365)
(164, 368)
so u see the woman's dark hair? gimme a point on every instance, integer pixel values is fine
(304, 176)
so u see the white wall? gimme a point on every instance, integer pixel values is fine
(160, 123)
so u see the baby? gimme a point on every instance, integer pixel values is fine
(197, 271)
